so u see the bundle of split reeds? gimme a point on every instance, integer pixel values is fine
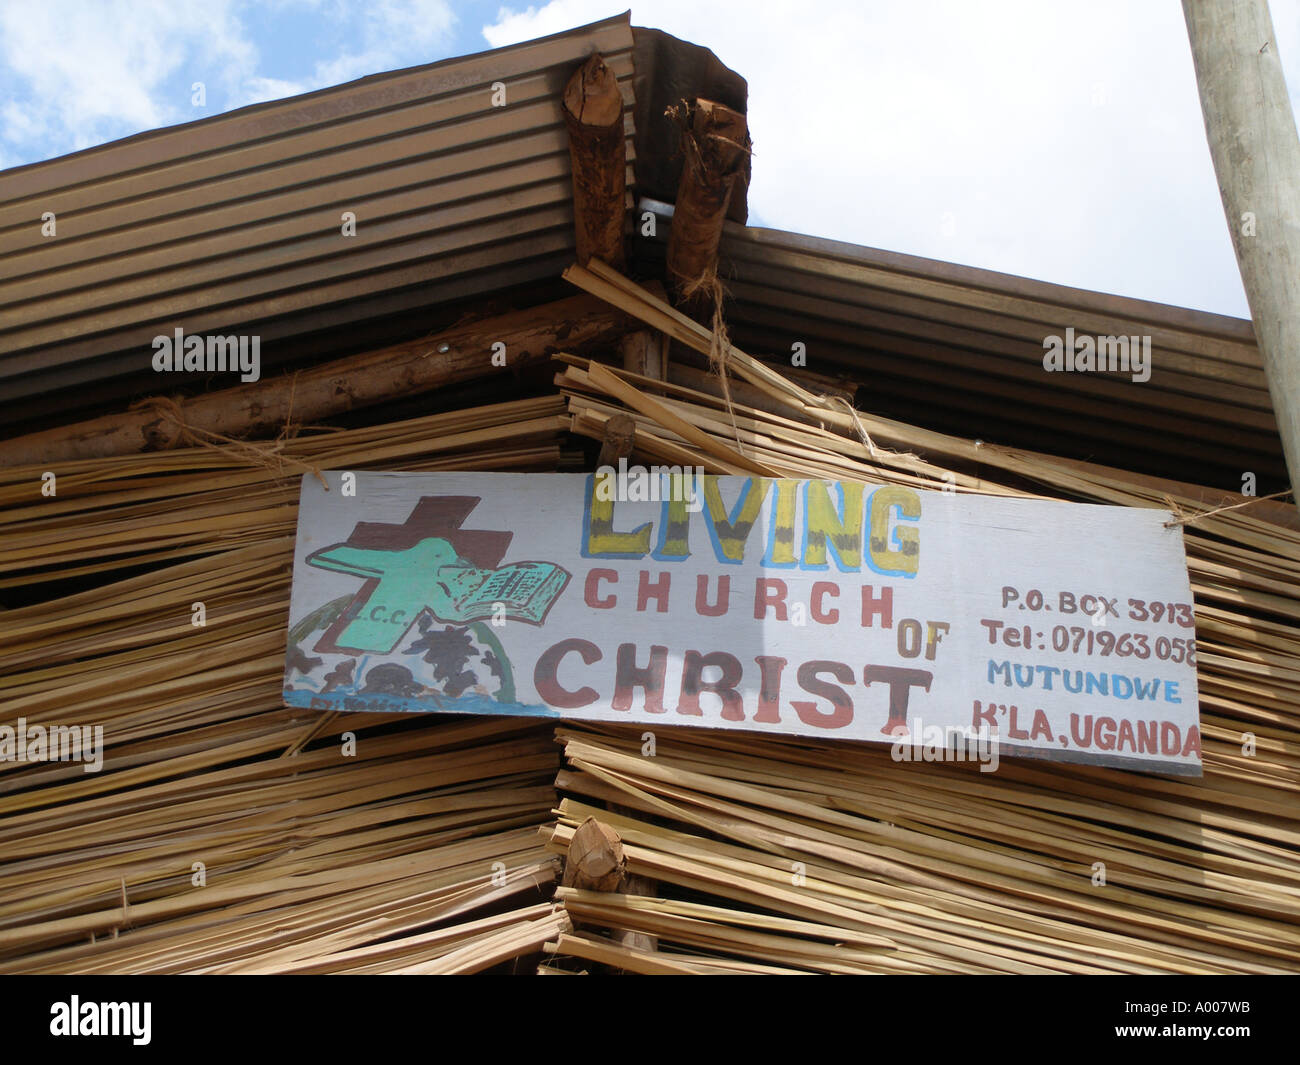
(225, 832)
(960, 871)
(228, 833)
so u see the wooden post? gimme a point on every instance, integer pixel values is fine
(636, 885)
(715, 143)
(1256, 154)
(596, 862)
(593, 112)
(643, 353)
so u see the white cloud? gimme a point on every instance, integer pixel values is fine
(256, 90)
(90, 71)
(511, 26)
(390, 34)
(86, 73)
(1057, 141)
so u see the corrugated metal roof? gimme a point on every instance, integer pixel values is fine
(961, 349)
(234, 222)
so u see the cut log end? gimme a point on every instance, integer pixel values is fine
(595, 861)
(620, 439)
(591, 96)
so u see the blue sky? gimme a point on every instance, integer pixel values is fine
(1056, 140)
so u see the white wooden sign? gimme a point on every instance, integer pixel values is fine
(811, 608)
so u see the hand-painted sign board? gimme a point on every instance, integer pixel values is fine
(810, 608)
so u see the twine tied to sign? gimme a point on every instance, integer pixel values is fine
(268, 457)
(708, 286)
(878, 453)
(1182, 518)
(827, 399)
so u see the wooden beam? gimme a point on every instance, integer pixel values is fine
(263, 408)
(593, 112)
(1256, 154)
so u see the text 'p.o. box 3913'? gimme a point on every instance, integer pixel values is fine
(808, 608)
